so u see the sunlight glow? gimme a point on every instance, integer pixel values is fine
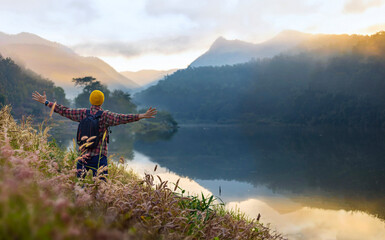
(153, 61)
(314, 223)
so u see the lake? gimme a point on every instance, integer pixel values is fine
(307, 183)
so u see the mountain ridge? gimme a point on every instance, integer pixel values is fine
(58, 62)
(230, 52)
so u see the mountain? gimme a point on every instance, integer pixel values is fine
(145, 77)
(58, 62)
(229, 52)
(339, 81)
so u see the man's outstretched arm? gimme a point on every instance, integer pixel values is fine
(114, 119)
(73, 114)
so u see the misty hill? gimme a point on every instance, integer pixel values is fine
(17, 85)
(58, 62)
(145, 77)
(345, 89)
(229, 52)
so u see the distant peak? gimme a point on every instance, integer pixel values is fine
(23, 37)
(291, 35)
(26, 34)
(220, 40)
(289, 32)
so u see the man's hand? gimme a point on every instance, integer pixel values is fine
(151, 112)
(40, 98)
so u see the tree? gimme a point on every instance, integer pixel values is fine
(120, 101)
(89, 84)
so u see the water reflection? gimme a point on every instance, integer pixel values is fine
(341, 166)
(293, 219)
(141, 164)
(314, 223)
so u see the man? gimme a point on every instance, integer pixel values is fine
(96, 157)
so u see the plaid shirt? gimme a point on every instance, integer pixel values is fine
(106, 120)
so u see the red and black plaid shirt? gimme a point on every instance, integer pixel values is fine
(106, 120)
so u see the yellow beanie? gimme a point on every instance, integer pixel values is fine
(96, 98)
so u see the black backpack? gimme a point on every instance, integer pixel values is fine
(89, 127)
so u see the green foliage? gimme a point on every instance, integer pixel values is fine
(86, 82)
(200, 209)
(343, 88)
(17, 85)
(120, 101)
(89, 84)
(2, 99)
(58, 95)
(163, 126)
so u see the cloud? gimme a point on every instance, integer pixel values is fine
(247, 18)
(360, 6)
(166, 45)
(44, 17)
(177, 26)
(374, 28)
(68, 10)
(201, 9)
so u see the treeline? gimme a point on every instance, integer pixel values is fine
(17, 85)
(345, 88)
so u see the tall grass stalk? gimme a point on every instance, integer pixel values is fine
(101, 147)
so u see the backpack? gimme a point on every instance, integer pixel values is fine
(89, 127)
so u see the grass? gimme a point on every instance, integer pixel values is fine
(41, 198)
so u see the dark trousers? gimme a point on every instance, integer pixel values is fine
(92, 164)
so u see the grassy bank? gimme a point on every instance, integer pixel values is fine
(41, 198)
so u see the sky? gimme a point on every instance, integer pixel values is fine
(132, 35)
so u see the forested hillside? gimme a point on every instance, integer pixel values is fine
(17, 85)
(343, 87)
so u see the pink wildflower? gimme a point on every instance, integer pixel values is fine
(7, 151)
(54, 165)
(74, 231)
(60, 204)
